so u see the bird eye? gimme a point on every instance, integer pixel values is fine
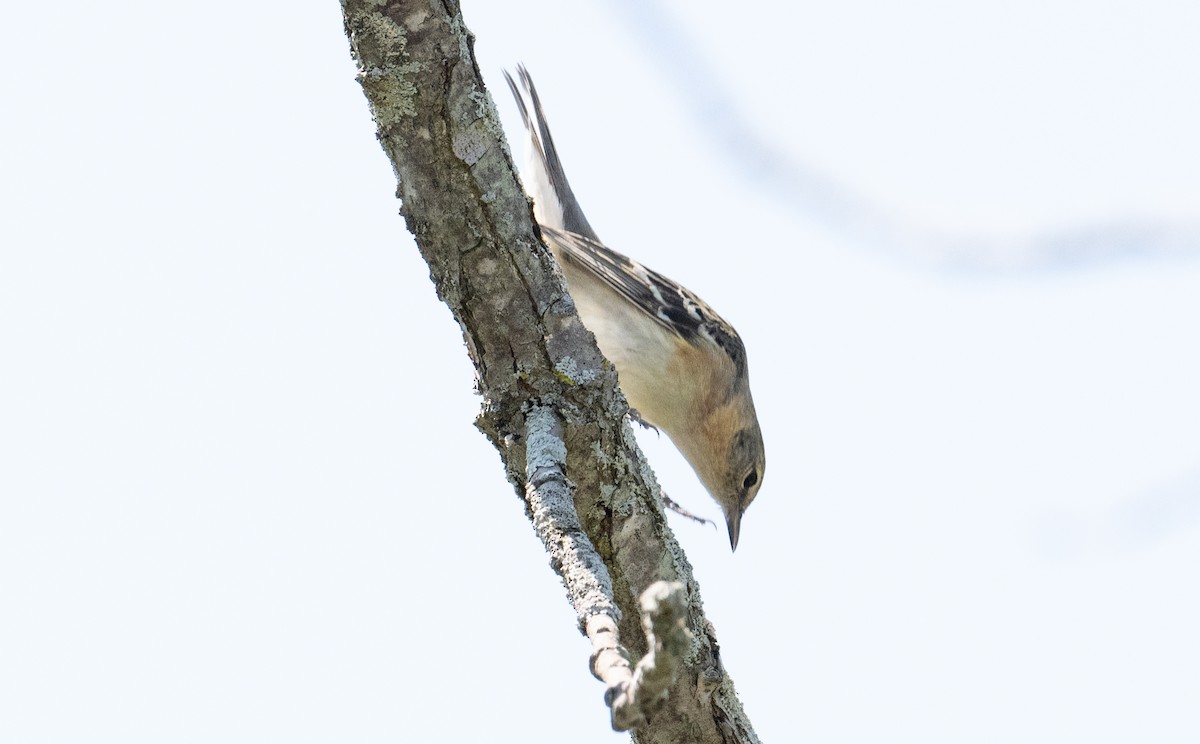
(751, 479)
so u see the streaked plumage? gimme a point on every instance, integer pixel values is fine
(681, 366)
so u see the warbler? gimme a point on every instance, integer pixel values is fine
(681, 366)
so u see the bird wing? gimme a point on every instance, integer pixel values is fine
(671, 305)
(562, 222)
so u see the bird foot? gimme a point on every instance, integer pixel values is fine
(637, 418)
(670, 504)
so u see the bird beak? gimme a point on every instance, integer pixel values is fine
(733, 521)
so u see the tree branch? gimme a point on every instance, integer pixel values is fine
(551, 403)
(632, 695)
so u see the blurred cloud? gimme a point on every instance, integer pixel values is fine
(1140, 521)
(807, 192)
(1157, 514)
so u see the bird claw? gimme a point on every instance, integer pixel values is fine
(637, 418)
(670, 504)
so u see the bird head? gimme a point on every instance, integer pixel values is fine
(726, 451)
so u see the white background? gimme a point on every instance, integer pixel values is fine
(225, 516)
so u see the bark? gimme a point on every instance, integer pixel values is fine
(551, 405)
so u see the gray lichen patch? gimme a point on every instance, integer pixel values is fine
(480, 99)
(568, 370)
(394, 94)
(544, 448)
(464, 36)
(413, 20)
(379, 40)
(470, 144)
(385, 70)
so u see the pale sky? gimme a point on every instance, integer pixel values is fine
(241, 495)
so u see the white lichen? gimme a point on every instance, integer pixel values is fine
(469, 145)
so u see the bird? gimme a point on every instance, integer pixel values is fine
(680, 365)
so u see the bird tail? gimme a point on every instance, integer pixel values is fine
(554, 203)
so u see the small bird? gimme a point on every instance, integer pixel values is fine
(681, 366)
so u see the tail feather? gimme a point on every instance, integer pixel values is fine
(554, 202)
